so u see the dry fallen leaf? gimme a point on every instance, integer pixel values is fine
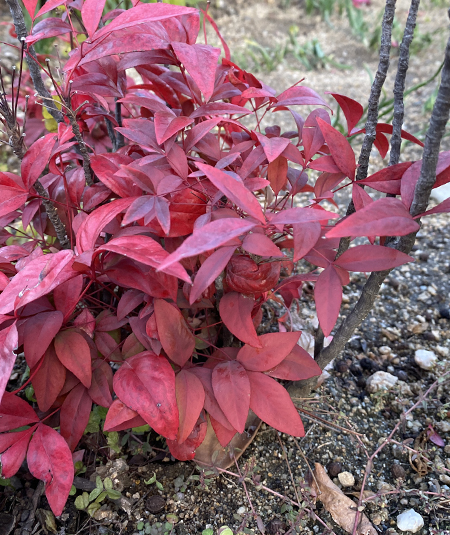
(341, 508)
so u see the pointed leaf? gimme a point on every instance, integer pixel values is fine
(15, 412)
(273, 146)
(388, 180)
(186, 451)
(232, 391)
(13, 447)
(49, 380)
(175, 336)
(234, 189)
(277, 173)
(235, 310)
(297, 366)
(353, 110)
(384, 217)
(146, 383)
(74, 415)
(36, 159)
(128, 302)
(305, 237)
(121, 417)
(74, 353)
(101, 385)
(210, 236)
(328, 298)
(209, 271)
(340, 148)
(223, 434)
(301, 215)
(91, 13)
(51, 4)
(167, 124)
(50, 460)
(9, 338)
(372, 258)
(30, 6)
(199, 131)
(190, 399)
(200, 61)
(271, 402)
(261, 245)
(43, 327)
(274, 348)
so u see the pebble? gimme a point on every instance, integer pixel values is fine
(398, 471)
(341, 366)
(346, 479)
(444, 313)
(334, 469)
(380, 381)
(241, 510)
(444, 426)
(445, 479)
(425, 359)
(410, 521)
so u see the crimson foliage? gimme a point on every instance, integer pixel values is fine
(181, 239)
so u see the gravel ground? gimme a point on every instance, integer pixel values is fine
(348, 422)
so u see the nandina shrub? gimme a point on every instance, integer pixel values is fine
(125, 274)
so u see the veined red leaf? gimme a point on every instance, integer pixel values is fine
(408, 183)
(210, 270)
(223, 434)
(9, 338)
(186, 451)
(232, 391)
(272, 146)
(299, 96)
(51, 4)
(50, 460)
(43, 327)
(15, 412)
(74, 415)
(360, 197)
(101, 384)
(388, 180)
(167, 124)
(305, 237)
(326, 164)
(30, 6)
(200, 61)
(13, 447)
(199, 131)
(328, 298)
(384, 217)
(271, 402)
(274, 348)
(218, 108)
(146, 383)
(441, 208)
(235, 310)
(36, 158)
(49, 380)
(234, 189)
(175, 336)
(353, 110)
(277, 173)
(91, 13)
(13, 198)
(147, 251)
(190, 399)
(340, 148)
(372, 258)
(128, 302)
(74, 353)
(210, 236)
(297, 366)
(121, 417)
(260, 244)
(66, 296)
(301, 215)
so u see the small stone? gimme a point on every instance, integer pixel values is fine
(155, 504)
(424, 257)
(410, 521)
(444, 313)
(402, 375)
(241, 510)
(443, 426)
(443, 351)
(425, 359)
(341, 366)
(368, 364)
(334, 469)
(445, 479)
(380, 381)
(398, 471)
(384, 350)
(346, 479)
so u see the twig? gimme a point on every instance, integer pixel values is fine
(83, 149)
(326, 423)
(289, 467)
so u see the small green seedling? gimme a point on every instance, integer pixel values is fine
(91, 502)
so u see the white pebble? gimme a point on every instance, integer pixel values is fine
(380, 381)
(410, 521)
(241, 510)
(425, 359)
(346, 479)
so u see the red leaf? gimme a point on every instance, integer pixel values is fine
(340, 148)
(74, 353)
(234, 189)
(199, 131)
(175, 336)
(274, 348)
(384, 217)
(305, 237)
(36, 158)
(441, 208)
(67, 295)
(328, 298)
(30, 6)
(15, 412)
(360, 197)
(43, 327)
(209, 271)
(167, 124)
(9, 338)
(121, 417)
(50, 460)
(146, 383)
(327, 164)
(147, 251)
(297, 366)
(299, 96)
(48, 380)
(388, 180)
(190, 399)
(49, 5)
(106, 167)
(128, 302)
(200, 61)
(186, 451)
(223, 434)
(39, 277)
(101, 385)
(272, 146)
(235, 310)
(301, 215)
(91, 13)
(277, 174)
(353, 110)
(74, 415)
(372, 258)
(13, 447)
(408, 183)
(218, 108)
(261, 245)
(232, 391)
(271, 402)
(210, 236)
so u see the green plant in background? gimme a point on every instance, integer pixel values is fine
(92, 502)
(155, 481)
